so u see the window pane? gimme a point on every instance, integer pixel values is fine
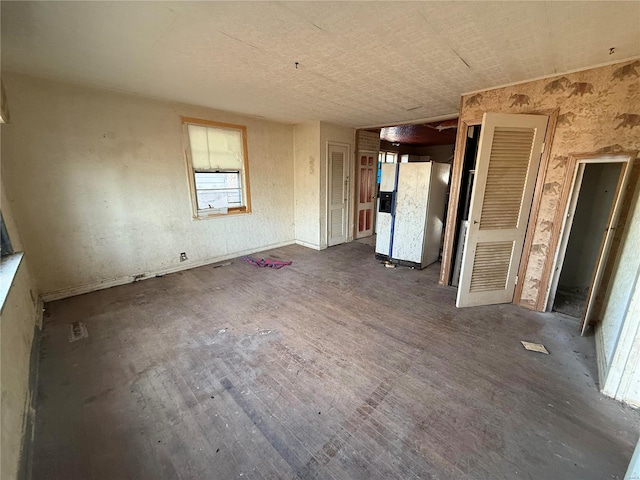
(219, 198)
(7, 249)
(210, 180)
(218, 190)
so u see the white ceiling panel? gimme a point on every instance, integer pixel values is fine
(359, 63)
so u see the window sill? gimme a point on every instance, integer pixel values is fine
(204, 215)
(8, 270)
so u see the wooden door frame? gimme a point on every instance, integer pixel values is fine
(454, 198)
(559, 231)
(555, 238)
(349, 206)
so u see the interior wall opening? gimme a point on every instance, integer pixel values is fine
(464, 201)
(419, 143)
(584, 235)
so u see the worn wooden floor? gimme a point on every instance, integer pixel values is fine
(334, 367)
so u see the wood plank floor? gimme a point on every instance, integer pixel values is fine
(331, 368)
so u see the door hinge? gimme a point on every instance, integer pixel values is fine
(544, 146)
(516, 279)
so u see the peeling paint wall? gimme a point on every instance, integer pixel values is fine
(20, 314)
(599, 112)
(100, 188)
(18, 319)
(307, 184)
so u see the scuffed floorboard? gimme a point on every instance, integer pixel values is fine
(331, 368)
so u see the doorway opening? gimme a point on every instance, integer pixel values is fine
(590, 220)
(593, 207)
(464, 199)
(410, 143)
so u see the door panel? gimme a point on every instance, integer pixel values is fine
(367, 163)
(338, 168)
(506, 171)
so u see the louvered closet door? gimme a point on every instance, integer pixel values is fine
(337, 225)
(506, 170)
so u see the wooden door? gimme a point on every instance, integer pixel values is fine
(367, 163)
(506, 170)
(337, 194)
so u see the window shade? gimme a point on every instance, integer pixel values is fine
(215, 148)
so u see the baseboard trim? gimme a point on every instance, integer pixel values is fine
(93, 287)
(308, 245)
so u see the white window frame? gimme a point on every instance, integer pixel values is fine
(198, 213)
(385, 156)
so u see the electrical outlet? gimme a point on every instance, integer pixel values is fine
(183, 256)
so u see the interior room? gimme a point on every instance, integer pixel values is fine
(319, 240)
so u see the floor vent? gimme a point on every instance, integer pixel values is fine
(77, 331)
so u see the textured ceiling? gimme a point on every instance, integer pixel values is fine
(359, 63)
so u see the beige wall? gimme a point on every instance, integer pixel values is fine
(99, 184)
(344, 135)
(310, 152)
(599, 111)
(18, 318)
(438, 153)
(307, 166)
(20, 313)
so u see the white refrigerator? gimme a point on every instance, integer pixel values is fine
(411, 208)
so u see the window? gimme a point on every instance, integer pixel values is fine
(218, 168)
(385, 157)
(7, 249)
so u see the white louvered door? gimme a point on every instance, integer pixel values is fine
(506, 170)
(337, 195)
